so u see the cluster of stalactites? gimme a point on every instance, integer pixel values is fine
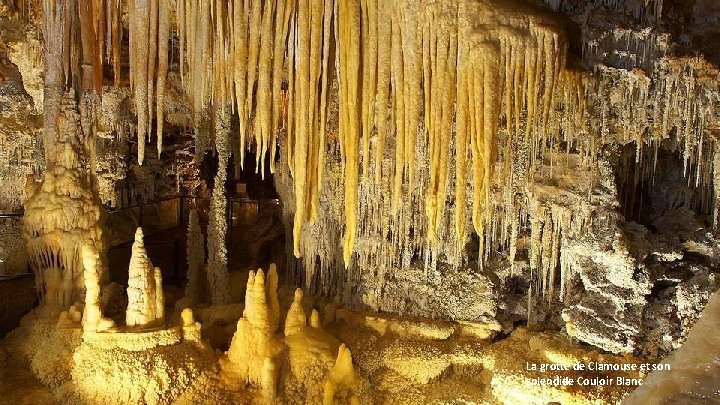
(149, 22)
(232, 56)
(98, 29)
(397, 67)
(645, 10)
(449, 76)
(676, 98)
(146, 301)
(252, 48)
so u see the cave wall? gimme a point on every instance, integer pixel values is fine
(392, 225)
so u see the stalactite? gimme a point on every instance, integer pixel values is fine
(152, 57)
(282, 21)
(149, 37)
(384, 44)
(139, 34)
(440, 88)
(445, 116)
(263, 118)
(350, 118)
(163, 41)
(115, 30)
(240, 38)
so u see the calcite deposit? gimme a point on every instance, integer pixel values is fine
(359, 201)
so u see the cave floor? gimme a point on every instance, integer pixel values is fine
(19, 386)
(400, 361)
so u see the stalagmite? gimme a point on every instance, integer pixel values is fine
(441, 159)
(92, 318)
(296, 319)
(191, 329)
(145, 294)
(342, 376)
(314, 320)
(250, 348)
(273, 303)
(269, 381)
(159, 295)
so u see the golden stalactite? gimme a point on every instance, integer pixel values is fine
(349, 28)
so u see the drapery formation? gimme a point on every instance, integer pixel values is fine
(63, 220)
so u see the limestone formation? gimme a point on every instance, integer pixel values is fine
(469, 201)
(296, 319)
(146, 303)
(251, 344)
(92, 318)
(342, 376)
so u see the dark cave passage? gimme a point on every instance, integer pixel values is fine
(654, 190)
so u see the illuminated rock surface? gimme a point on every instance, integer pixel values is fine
(450, 201)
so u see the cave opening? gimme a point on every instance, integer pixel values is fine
(660, 191)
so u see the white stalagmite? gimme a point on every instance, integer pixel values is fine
(273, 303)
(159, 295)
(145, 294)
(341, 376)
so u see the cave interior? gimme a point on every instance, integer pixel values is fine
(359, 201)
